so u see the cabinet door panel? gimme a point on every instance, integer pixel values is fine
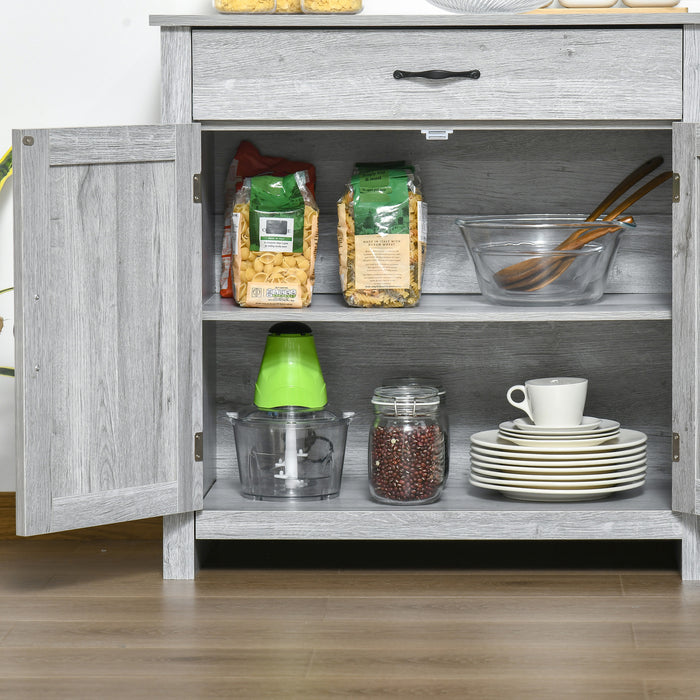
(107, 259)
(686, 317)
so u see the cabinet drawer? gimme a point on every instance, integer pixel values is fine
(550, 74)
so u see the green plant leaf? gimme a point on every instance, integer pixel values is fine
(5, 167)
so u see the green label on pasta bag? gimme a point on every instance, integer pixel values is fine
(380, 200)
(276, 214)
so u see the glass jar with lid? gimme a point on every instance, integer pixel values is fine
(406, 446)
(430, 382)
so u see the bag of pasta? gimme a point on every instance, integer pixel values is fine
(274, 229)
(382, 236)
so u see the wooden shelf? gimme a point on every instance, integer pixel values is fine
(455, 308)
(464, 512)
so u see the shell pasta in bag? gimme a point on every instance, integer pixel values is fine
(382, 236)
(274, 230)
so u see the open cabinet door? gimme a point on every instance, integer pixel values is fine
(686, 318)
(107, 327)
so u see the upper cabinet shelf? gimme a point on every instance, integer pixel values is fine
(451, 308)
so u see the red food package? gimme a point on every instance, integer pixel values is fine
(249, 162)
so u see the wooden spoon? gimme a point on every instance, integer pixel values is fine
(523, 275)
(511, 274)
(561, 263)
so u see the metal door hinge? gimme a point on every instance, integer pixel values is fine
(198, 445)
(676, 447)
(197, 188)
(676, 187)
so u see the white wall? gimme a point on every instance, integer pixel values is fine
(85, 63)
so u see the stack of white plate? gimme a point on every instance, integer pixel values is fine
(592, 460)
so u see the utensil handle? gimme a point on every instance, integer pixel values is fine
(638, 194)
(437, 74)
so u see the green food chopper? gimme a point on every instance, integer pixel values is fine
(289, 445)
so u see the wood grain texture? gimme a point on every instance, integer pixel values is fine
(96, 620)
(578, 74)
(642, 266)
(686, 352)
(691, 74)
(176, 75)
(147, 529)
(105, 398)
(402, 21)
(477, 362)
(179, 555)
(487, 170)
(463, 512)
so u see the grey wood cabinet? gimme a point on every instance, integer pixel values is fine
(127, 358)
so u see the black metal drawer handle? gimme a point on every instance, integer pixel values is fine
(437, 74)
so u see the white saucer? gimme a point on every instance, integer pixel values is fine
(625, 440)
(538, 460)
(478, 480)
(566, 495)
(603, 427)
(565, 473)
(587, 423)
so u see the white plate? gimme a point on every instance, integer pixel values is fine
(606, 427)
(478, 480)
(555, 474)
(536, 460)
(523, 494)
(525, 425)
(521, 435)
(551, 442)
(625, 440)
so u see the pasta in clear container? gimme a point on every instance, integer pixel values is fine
(288, 7)
(331, 6)
(245, 6)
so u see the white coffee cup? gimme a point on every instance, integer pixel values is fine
(554, 402)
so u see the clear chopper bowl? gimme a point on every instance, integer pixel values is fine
(290, 452)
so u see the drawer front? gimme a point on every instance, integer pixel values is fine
(559, 74)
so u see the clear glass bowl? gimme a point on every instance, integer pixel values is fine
(544, 275)
(489, 7)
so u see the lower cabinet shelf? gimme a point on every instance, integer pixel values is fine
(464, 512)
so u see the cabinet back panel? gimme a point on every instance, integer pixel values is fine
(629, 374)
(506, 172)
(473, 172)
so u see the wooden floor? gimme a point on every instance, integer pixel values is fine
(94, 619)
